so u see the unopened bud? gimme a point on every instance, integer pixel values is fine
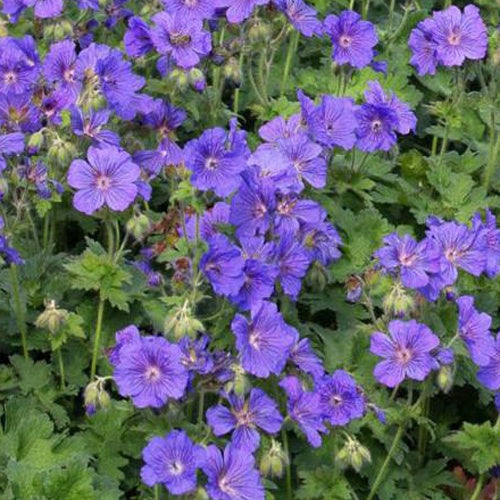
(138, 225)
(353, 454)
(317, 277)
(445, 378)
(274, 461)
(52, 318)
(260, 31)
(398, 302)
(232, 71)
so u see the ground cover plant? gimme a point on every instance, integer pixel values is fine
(249, 249)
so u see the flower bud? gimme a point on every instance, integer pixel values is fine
(317, 277)
(445, 378)
(95, 396)
(240, 383)
(52, 318)
(232, 71)
(180, 78)
(274, 461)
(259, 31)
(62, 152)
(197, 79)
(35, 141)
(138, 225)
(201, 494)
(353, 454)
(398, 302)
(354, 288)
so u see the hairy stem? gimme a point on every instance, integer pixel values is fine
(478, 488)
(289, 488)
(387, 461)
(60, 362)
(97, 337)
(21, 322)
(292, 49)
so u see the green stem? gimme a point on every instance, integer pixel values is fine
(292, 49)
(492, 159)
(289, 488)
(261, 79)
(156, 491)
(97, 338)
(366, 8)
(110, 237)
(21, 323)
(351, 5)
(46, 231)
(61, 368)
(236, 100)
(201, 407)
(391, 14)
(478, 488)
(383, 469)
(444, 144)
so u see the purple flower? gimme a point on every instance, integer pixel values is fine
(91, 126)
(265, 342)
(376, 127)
(321, 240)
(137, 38)
(59, 67)
(291, 212)
(223, 266)
(164, 117)
(333, 122)
(423, 48)
(407, 121)
(17, 75)
(252, 205)
(305, 409)
(303, 356)
(172, 461)
(279, 128)
(199, 9)
(492, 235)
(302, 16)
(10, 144)
(195, 354)
(115, 79)
(216, 159)
(489, 374)
(293, 262)
(406, 352)
(232, 474)
(340, 399)
(474, 330)
(45, 9)
(415, 261)
(239, 10)
(210, 221)
(150, 371)
(259, 274)
(353, 39)
(124, 336)
(108, 178)
(19, 114)
(259, 411)
(461, 247)
(303, 161)
(459, 35)
(181, 38)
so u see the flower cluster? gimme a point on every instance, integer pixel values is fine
(429, 267)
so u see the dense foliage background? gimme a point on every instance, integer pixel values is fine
(65, 434)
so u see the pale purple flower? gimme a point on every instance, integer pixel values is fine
(353, 39)
(245, 417)
(406, 352)
(172, 461)
(107, 178)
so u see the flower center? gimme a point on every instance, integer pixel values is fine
(211, 163)
(404, 355)
(260, 210)
(176, 468)
(244, 418)
(10, 77)
(224, 485)
(254, 340)
(179, 39)
(103, 182)
(190, 3)
(376, 125)
(69, 75)
(336, 400)
(345, 41)
(452, 254)
(407, 260)
(454, 38)
(152, 373)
